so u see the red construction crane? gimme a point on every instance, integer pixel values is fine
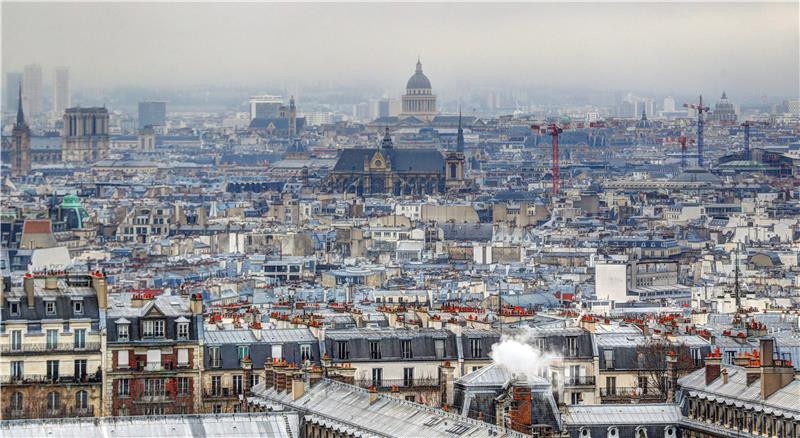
(553, 130)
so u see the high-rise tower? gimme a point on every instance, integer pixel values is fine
(61, 91)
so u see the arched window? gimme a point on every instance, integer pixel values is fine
(584, 432)
(53, 400)
(82, 400)
(16, 401)
(612, 432)
(669, 432)
(641, 432)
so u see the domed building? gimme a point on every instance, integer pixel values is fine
(419, 100)
(724, 111)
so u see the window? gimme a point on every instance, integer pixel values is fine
(377, 377)
(374, 349)
(475, 347)
(305, 352)
(643, 384)
(438, 345)
(122, 359)
(52, 370)
(17, 402)
(16, 340)
(123, 331)
(183, 386)
(183, 357)
(237, 384)
(154, 387)
(77, 307)
(123, 411)
(411, 398)
(611, 385)
(608, 357)
(82, 400)
(153, 359)
(213, 354)
(80, 338)
(13, 308)
(572, 346)
(17, 369)
(216, 385)
(53, 401)
(80, 369)
(244, 351)
(50, 307)
(183, 330)
(154, 328)
(254, 380)
(123, 387)
(277, 351)
(217, 409)
(342, 350)
(408, 376)
(613, 432)
(153, 410)
(52, 339)
(405, 349)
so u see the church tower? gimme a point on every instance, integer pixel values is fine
(454, 161)
(292, 118)
(20, 143)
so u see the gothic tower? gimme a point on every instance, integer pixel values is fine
(20, 143)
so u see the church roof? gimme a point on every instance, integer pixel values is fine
(418, 80)
(401, 160)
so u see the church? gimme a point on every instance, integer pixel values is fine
(419, 100)
(386, 170)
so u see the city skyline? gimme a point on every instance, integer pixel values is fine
(688, 48)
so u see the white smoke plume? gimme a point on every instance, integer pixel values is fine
(517, 354)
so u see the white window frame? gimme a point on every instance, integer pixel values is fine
(123, 332)
(50, 307)
(183, 330)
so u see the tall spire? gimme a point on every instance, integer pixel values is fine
(20, 114)
(419, 65)
(460, 137)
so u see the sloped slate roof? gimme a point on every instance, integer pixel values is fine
(402, 160)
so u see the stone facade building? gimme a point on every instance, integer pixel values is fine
(85, 137)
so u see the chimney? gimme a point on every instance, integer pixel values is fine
(139, 300)
(713, 365)
(775, 374)
(30, 290)
(100, 286)
(725, 377)
(588, 323)
(51, 282)
(269, 377)
(672, 374)
(373, 395)
(196, 303)
(298, 386)
(446, 373)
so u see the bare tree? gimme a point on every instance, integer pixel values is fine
(652, 363)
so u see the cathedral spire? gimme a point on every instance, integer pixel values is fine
(419, 65)
(20, 114)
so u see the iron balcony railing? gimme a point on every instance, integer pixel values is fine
(45, 348)
(60, 411)
(631, 392)
(579, 381)
(388, 384)
(44, 379)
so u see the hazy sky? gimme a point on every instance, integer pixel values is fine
(744, 48)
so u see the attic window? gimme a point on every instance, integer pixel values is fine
(77, 307)
(13, 308)
(50, 307)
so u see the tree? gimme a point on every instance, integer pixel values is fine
(652, 363)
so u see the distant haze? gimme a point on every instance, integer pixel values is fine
(744, 48)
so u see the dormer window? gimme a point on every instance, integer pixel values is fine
(77, 307)
(183, 330)
(123, 332)
(153, 328)
(13, 308)
(49, 307)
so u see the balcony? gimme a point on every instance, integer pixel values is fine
(401, 384)
(65, 347)
(219, 393)
(60, 412)
(579, 381)
(628, 394)
(29, 379)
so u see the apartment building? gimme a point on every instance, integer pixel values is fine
(153, 358)
(52, 337)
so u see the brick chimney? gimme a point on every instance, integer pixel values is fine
(672, 374)
(520, 411)
(446, 380)
(30, 289)
(775, 373)
(588, 323)
(269, 377)
(713, 365)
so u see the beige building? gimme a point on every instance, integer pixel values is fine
(85, 135)
(419, 100)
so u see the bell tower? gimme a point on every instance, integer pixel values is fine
(454, 160)
(20, 143)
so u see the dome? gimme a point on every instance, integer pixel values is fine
(418, 80)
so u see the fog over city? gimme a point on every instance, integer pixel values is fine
(746, 48)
